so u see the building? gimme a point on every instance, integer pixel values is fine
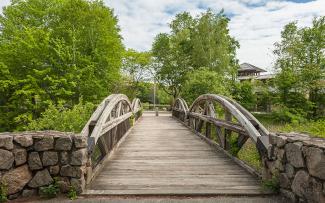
(248, 72)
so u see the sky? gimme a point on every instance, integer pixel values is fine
(256, 24)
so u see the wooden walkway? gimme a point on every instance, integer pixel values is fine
(160, 156)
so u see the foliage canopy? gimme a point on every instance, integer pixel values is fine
(55, 51)
(203, 41)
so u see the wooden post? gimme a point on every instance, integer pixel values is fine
(227, 133)
(157, 112)
(208, 130)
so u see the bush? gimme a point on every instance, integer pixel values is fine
(272, 184)
(314, 128)
(72, 193)
(62, 118)
(132, 120)
(288, 115)
(3, 192)
(203, 81)
(51, 190)
(244, 93)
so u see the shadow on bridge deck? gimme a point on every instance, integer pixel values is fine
(160, 156)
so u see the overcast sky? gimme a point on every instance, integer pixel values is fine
(256, 24)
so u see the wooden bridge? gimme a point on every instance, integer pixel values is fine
(187, 152)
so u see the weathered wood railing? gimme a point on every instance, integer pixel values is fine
(108, 124)
(159, 107)
(217, 115)
(137, 108)
(180, 109)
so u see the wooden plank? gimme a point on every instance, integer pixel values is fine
(177, 191)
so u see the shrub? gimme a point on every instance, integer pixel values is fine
(244, 93)
(3, 192)
(314, 128)
(51, 190)
(203, 81)
(288, 115)
(132, 120)
(72, 193)
(61, 118)
(272, 184)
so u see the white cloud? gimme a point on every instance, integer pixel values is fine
(256, 24)
(3, 3)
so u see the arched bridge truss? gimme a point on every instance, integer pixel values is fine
(221, 116)
(107, 125)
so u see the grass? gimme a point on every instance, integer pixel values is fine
(250, 155)
(313, 128)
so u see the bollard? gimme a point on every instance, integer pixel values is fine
(157, 112)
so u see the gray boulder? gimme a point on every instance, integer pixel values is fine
(41, 178)
(16, 179)
(34, 161)
(6, 142)
(6, 159)
(50, 158)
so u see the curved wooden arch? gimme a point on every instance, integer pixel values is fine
(263, 131)
(108, 124)
(180, 109)
(180, 104)
(202, 112)
(136, 105)
(111, 120)
(234, 110)
(113, 110)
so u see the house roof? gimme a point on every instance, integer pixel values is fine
(249, 67)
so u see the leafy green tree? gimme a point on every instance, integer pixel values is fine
(212, 45)
(54, 51)
(170, 70)
(193, 43)
(136, 68)
(301, 67)
(203, 81)
(58, 117)
(244, 93)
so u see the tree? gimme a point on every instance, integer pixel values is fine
(203, 81)
(244, 93)
(301, 67)
(136, 68)
(212, 46)
(170, 69)
(193, 43)
(55, 51)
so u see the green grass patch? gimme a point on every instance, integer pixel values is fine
(250, 155)
(313, 128)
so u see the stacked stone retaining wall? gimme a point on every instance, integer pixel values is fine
(298, 162)
(30, 160)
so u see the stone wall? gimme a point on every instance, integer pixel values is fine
(298, 162)
(30, 160)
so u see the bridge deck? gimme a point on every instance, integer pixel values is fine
(160, 156)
